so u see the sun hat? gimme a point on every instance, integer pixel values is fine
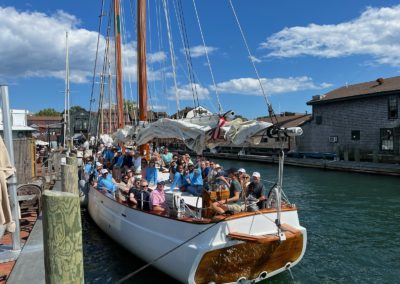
(256, 174)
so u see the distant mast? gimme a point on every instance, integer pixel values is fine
(118, 64)
(142, 73)
(67, 131)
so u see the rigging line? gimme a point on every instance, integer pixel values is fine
(186, 47)
(130, 93)
(105, 59)
(95, 63)
(188, 50)
(171, 47)
(169, 251)
(212, 104)
(150, 68)
(153, 100)
(208, 59)
(270, 110)
(133, 13)
(161, 48)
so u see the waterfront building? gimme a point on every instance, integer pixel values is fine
(48, 128)
(20, 127)
(357, 122)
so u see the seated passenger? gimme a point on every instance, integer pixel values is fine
(234, 203)
(157, 198)
(151, 173)
(194, 180)
(142, 196)
(256, 190)
(178, 178)
(105, 184)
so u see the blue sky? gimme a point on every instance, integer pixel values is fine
(300, 49)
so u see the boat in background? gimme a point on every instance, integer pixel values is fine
(190, 243)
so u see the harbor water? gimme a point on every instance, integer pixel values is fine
(353, 224)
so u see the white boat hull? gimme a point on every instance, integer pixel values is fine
(149, 236)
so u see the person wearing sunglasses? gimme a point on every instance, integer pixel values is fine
(142, 196)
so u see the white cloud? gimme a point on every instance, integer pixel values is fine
(185, 92)
(159, 107)
(156, 57)
(251, 86)
(199, 50)
(376, 33)
(33, 45)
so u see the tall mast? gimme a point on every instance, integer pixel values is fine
(67, 130)
(142, 72)
(118, 64)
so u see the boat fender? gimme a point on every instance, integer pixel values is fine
(263, 275)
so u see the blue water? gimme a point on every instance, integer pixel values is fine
(353, 224)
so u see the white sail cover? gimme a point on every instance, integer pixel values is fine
(123, 135)
(198, 137)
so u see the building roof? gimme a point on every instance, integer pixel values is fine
(32, 118)
(19, 128)
(380, 86)
(287, 120)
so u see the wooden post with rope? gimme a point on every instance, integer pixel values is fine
(62, 238)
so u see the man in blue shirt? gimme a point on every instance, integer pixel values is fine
(194, 180)
(105, 183)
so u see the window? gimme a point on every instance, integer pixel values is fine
(333, 139)
(392, 108)
(355, 135)
(387, 139)
(318, 119)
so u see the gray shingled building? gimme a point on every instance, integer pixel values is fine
(360, 120)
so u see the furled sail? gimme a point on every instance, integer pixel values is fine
(198, 137)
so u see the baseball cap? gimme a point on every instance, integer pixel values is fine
(99, 164)
(104, 171)
(217, 166)
(161, 182)
(256, 174)
(241, 170)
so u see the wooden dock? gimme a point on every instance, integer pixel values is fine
(346, 166)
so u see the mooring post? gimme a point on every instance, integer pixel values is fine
(62, 238)
(69, 176)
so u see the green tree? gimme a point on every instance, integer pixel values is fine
(130, 105)
(48, 112)
(75, 109)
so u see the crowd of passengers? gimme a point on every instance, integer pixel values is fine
(142, 185)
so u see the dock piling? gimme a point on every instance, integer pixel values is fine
(62, 238)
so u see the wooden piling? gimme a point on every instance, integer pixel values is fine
(69, 176)
(62, 238)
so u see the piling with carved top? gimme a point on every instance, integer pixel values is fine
(62, 238)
